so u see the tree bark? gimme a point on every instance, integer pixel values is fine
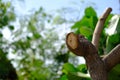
(82, 47)
(99, 27)
(113, 58)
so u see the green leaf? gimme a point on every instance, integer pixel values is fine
(118, 26)
(61, 58)
(69, 67)
(71, 76)
(5, 20)
(86, 31)
(89, 20)
(8, 4)
(44, 15)
(114, 74)
(1, 35)
(11, 27)
(36, 35)
(83, 22)
(82, 68)
(107, 22)
(31, 26)
(58, 20)
(64, 77)
(90, 12)
(112, 41)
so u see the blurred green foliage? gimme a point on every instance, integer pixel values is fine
(39, 52)
(77, 73)
(7, 71)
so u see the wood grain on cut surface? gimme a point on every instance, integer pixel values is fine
(72, 40)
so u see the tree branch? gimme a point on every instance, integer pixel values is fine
(113, 58)
(99, 27)
(82, 47)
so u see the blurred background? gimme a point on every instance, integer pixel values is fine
(33, 32)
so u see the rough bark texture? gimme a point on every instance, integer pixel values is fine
(113, 58)
(82, 47)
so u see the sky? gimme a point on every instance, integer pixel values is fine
(23, 7)
(50, 5)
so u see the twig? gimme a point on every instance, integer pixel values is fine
(99, 27)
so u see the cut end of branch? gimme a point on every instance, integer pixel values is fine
(78, 44)
(73, 44)
(106, 13)
(109, 9)
(72, 40)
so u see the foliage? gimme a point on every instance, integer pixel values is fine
(113, 39)
(34, 44)
(115, 73)
(77, 73)
(86, 25)
(7, 71)
(113, 36)
(39, 52)
(6, 13)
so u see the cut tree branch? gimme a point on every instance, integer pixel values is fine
(99, 27)
(82, 47)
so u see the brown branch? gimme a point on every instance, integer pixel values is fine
(82, 47)
(113, 58)
(99, 27)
